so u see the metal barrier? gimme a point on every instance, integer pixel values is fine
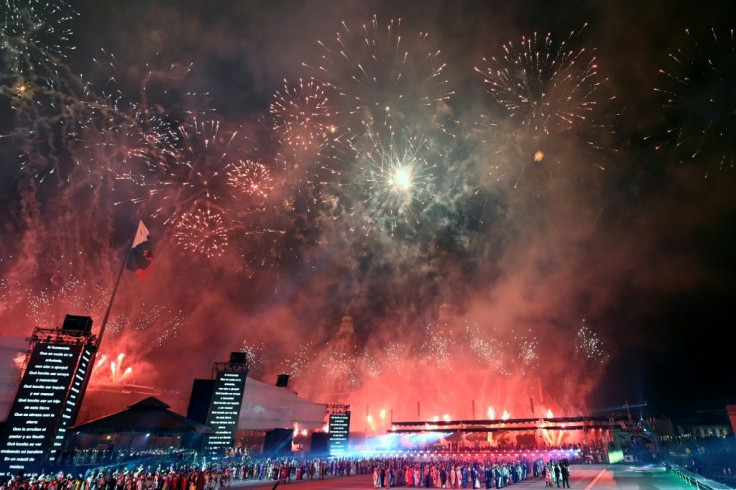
(697, 480)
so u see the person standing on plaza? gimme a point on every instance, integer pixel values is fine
(565, 473)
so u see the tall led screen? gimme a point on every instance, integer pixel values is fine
(339, 433)
(45, 404)
(224, 411)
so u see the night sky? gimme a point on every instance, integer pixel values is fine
(594, 195)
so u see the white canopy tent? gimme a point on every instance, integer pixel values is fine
(268, 407)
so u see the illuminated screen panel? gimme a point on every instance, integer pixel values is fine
(74, 399)
(224, 411)
(339, 433)
(42, 409)
(615, 456)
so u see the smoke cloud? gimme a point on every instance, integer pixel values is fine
(473, 296)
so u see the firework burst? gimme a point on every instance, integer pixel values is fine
(380, 78)
(254, 356)
(298, 366)
(302, 118)
(64, 294)
(547, 86)
(203, 231)
(548, 95)
(111, 371)
(20, 362)
(12, 294)
(394, 356)
(34, 77)
(163, 321)
(22, 89)
(589, 346)
(307, 133)
(526, 347)
(132, 138)
(93, 131)
(371, 365)
(341, 370)
(395, 182)
(699, 100)
(438, 346)
(35, 40)
(489, 350)
(210, 172)
(249, 179)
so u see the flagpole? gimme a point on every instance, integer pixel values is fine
(114, 291)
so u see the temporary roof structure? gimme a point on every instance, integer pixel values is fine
(149, 416)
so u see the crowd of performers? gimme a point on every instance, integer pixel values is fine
(385, 472)
(458, 473)
(557, 473)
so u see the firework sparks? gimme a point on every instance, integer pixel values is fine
(378, 83)
(699, 101)
(254, 356)
(162, 320)
(381, 77)
(211, 174)
(249, 178)
(20, 361)
(437, 346)
(297, 367)
(101, 361)
(589, 346)
(116, 371)
(201, 175)
(206, 183)
(341, 370)
(23, 89)
(394, 356)
(547, 86)
(132, 139)
(47, 98)
(489, 350)
(302, 117)
(35, 38)
(109, 136)
(527, 357)
(371, 365)
(548, 90)
(396, 182)
(203, 231)
(67, 293)
(12, 294)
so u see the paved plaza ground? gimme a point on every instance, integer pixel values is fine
(582, 477)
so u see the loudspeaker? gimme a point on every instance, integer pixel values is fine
(278, 442)
(237, 358)
(76, 326)
(318, 446)
(282, 380)
(200, 399)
